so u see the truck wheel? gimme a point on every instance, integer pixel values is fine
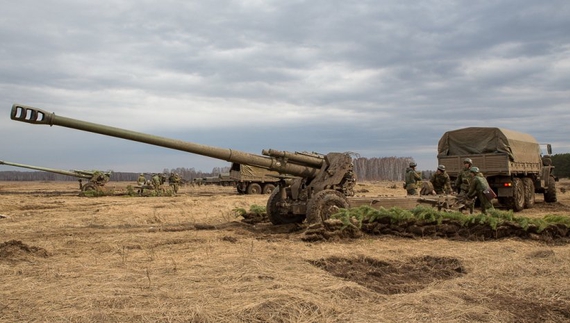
(516, 202)
(254, 188)
(324, 204)
(278, 215)
(550, 194)
(528, 192)
(268, 188)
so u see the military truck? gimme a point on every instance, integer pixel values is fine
(511, 161)
(253, 180)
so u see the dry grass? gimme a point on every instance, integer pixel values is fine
(131, 259)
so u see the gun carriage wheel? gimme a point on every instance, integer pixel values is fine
(278, 213)
(324, 204)
(89, 187)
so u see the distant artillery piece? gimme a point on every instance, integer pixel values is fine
(96, 179)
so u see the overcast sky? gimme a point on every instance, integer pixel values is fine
(377, 78)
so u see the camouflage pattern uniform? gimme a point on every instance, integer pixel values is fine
(412, 179)
(141, 181)
(156, 181)
(463, 180)
(478, 185)
(441, 182)
(174, 181)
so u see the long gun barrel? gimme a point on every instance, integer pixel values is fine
(50, 170)
(37, 116)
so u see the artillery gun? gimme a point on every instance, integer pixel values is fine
(96, 179)
(311, 186)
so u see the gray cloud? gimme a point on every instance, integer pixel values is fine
(379, 79)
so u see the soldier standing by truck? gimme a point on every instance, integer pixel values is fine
(464, 178)
(412, 179)
(477, 188)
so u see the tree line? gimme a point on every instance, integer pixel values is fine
(365, 169)
(561, 163)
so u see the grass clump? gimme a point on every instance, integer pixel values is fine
(253, 209)
(354, 217)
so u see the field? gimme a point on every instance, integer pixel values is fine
(188, 258)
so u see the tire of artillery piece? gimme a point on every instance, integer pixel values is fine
(324, 204)
(529, 196)
(89, 187)
(278, 215)
(550, 194)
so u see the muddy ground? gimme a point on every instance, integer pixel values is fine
(188, 258)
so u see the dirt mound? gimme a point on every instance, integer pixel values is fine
(392, 277)
(15, 250)
(523, 310)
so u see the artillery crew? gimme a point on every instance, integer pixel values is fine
(412, 179)
(441, 181)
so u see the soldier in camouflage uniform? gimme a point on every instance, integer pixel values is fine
(463, 181)
(141, 182)
(174, 181)
(478, 185)
(156, 181)
(412, 179)
(440, 181)
(464, 177)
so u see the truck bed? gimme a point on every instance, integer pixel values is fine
(489, 164)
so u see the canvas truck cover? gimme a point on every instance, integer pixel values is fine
(256, 173)
(520, 147)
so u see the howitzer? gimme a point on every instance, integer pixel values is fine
(96, 179)
(313, 186)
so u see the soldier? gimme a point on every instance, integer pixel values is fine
(478, 185)
(412, 179)
(156, 181)
(440, 181)
(464, 178)
(141, 182)
(174, 181)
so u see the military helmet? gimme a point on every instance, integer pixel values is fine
(413, 164)
(468, 161)
(474, 169)
(441, 168)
